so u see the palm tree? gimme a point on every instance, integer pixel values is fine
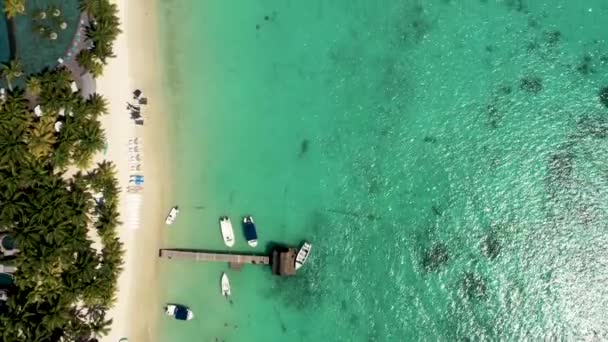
(61, 155)
(96, 105)
(13, 8)
(104, 30)
(11, 72)
(13, 153)
(89, 6)
(102, 175)
(15, 113)
(89, 62)
(100, 326)
(33, 86)
(91, 139)
(55, 88)
(40, 137)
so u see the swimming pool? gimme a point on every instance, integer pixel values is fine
(6, 279)
(4, 47)
(35, 50)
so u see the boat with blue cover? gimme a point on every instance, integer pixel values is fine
(251, 234)
(179, 312)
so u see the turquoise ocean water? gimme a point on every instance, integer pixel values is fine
(447, 159)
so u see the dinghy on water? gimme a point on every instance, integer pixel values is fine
(250, 233)
(303, 254)
(227, 231)
(172, 215)
(225, 286)
(179, 312)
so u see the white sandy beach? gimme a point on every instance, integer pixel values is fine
(136, 67)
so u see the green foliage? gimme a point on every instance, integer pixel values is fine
(63, 287)
(11, 71)
(103, 29)
(33, 86)
(13, 8)
(40, 137)
(81, 135)
(89, 62)
(96, 105)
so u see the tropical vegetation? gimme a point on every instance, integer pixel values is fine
(103, 29)
(11, 71)
(13, 8)
(60, 210)
(89, 62)
(63, 286)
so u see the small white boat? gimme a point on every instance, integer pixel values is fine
(172, 215)
(303, 254)
(250, 233)
(179, 312)
(225, 286)
(227, 231)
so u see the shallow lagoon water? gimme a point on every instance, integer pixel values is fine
(446, 159)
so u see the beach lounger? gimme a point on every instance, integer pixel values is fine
(136, 182)
(143, 101)
(133, 107)
(60, 60)
(139, 122)
(137, 93)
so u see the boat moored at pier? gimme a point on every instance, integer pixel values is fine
(225, 285)
(250, 232)
(303, 254)
(227, 231)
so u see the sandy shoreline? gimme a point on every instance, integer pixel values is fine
(137, 67)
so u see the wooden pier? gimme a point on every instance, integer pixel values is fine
(282, 260)
(214, 257)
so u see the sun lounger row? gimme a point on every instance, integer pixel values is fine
(136, 177)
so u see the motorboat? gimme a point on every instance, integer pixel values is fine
(172, 215)
(227, 231)
(179, 312)
(225, 285)
(250, 233)
(303, 254)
